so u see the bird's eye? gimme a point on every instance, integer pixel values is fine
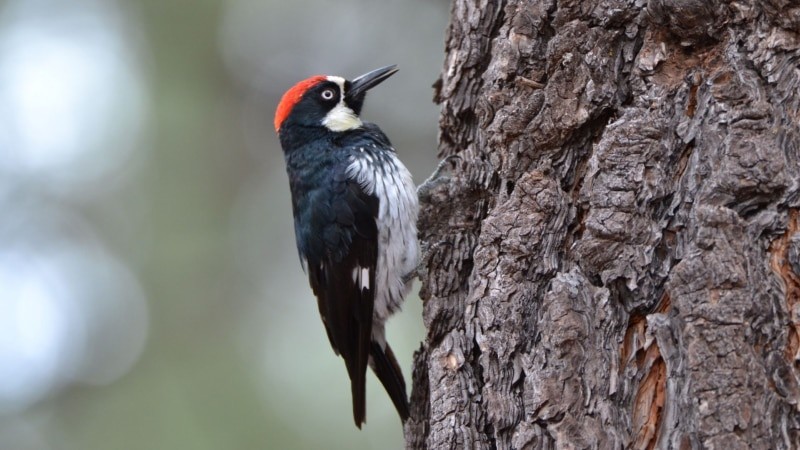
(328, 94)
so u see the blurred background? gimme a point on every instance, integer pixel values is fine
(151, 295)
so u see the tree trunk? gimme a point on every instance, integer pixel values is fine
(614, 258)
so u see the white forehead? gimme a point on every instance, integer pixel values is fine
(338, 80)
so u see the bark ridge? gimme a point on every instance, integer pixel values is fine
(614, 258)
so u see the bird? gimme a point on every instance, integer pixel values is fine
(355, 209)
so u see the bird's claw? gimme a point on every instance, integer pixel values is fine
(429, 183)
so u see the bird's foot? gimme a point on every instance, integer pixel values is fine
(436, 176)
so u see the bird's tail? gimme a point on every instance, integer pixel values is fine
(388, 371)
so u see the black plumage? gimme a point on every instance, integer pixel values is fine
(337, 231)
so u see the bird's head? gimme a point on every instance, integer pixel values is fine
(328, 101)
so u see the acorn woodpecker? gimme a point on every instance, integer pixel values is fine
(355, 214)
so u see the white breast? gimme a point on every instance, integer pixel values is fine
(398, 249)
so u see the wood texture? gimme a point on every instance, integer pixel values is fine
(614, 256)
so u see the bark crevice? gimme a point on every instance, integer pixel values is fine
(614, 259)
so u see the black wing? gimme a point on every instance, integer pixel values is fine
(342, 276)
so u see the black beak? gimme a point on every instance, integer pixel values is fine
(360, 85)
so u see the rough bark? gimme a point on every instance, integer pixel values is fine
(614, 258)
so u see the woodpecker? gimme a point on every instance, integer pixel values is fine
(355, 214)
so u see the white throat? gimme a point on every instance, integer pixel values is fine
(341, 117)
